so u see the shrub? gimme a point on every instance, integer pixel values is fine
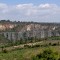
(37, 45)
(47, 54)
(5, 51)
(34, 46)
(49, 43)
(54, 44)
(2, 48)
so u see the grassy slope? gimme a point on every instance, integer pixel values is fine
(25, 54)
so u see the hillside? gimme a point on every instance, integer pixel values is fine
(15, 31)
(3, 40)
(7, 25)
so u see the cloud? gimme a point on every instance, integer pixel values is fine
(30, 12)
(3, 7)
(24, 6)
(44, 6)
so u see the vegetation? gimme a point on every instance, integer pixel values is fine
(54, 38)
(47, 54)
(3, 39)
(43, 50)
(36, 53)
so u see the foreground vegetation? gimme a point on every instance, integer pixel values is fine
(31, 53)
(47, 54)
(43, 50)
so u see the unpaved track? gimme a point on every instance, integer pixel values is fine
(22, 46)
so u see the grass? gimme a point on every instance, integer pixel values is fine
(26, 53)
(19, 54)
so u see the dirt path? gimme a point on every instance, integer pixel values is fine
(22, 46)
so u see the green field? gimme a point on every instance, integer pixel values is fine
(28, 52)
(25, 54)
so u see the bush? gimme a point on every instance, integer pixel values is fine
(49, 43)
(34, 46)
(5, 51)
(47, 54)
(54, 44)
(37, 45)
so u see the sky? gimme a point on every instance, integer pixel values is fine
(30, 10)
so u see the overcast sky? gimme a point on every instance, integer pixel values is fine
(30, 10)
